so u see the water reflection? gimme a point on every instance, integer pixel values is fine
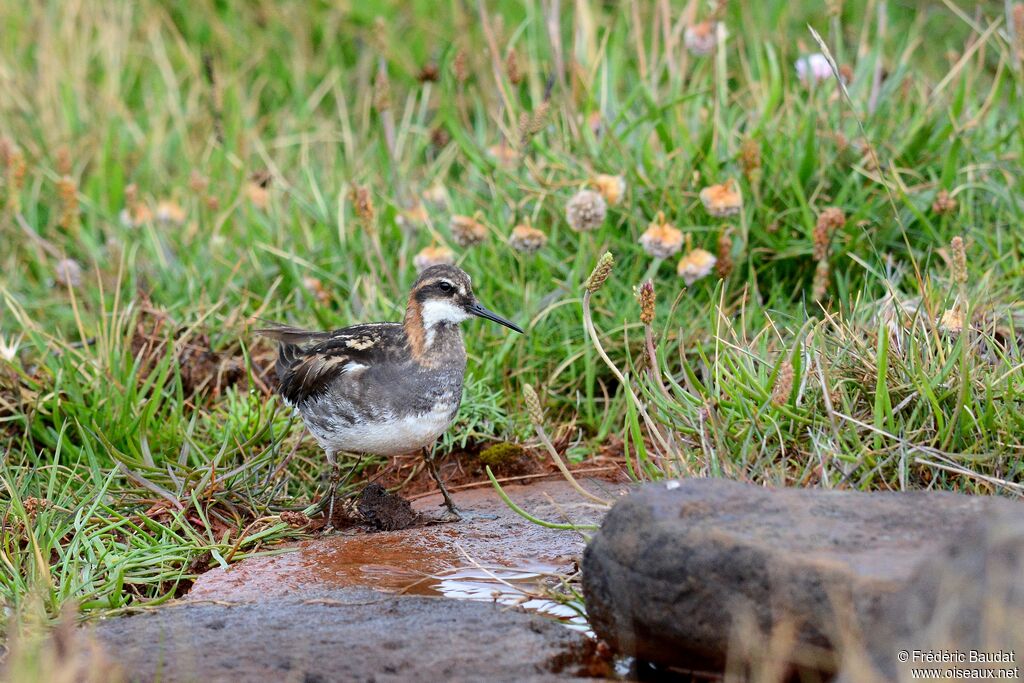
(514, 587)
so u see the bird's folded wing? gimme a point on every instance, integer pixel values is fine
(305, 371)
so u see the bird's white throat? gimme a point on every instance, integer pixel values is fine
(438, 312)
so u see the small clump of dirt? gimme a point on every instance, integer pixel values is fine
(386, 511)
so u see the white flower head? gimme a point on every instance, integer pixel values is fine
(700, 39)
(527, 239)
(695, 265)
(67, 273)
(661, 239)
(586, 210)
(433, 256)
(813, 68)
(9, 348)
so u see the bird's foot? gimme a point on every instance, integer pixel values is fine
(446, 517)
(472, 514)
(454, 514)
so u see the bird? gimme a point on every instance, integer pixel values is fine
(384, 388)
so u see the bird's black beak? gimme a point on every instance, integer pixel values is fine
(477, 309)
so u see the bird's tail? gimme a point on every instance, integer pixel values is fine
(290, 342)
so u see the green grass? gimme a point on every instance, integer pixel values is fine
(140, 444)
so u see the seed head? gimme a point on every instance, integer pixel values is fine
(533, 407)
(466, 231)
(382, 90)
(515, 77)
(362, 202)
(1018, 29)
(645, 297)
(439, 136)
(696, 264)
(534, 122)
(197, 182)
(724, 265)
(67, 190)
(527, 239)
(821, 279)
(959, 260)
(700, 39)
(611, 187)
(832, 218)
(64, 165)
(600, 273)
(6, 147)
(783, 384)
(722, 200)
(33, 506)
(16, 170)
(943, 204)
(750, 156)
(586, 210)
(433, 256)
(67, 273)
(661, 239)
(460, 66)
(429, 73)
(829, 220)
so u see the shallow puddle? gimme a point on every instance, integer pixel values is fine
(504, 559)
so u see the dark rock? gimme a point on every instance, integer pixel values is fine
(691, 573)
(344, 635)
(969, 596)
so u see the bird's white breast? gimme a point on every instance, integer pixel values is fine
(391, 435)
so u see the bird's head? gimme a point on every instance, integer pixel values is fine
(443, 296)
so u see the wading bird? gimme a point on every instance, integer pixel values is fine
(384, 388)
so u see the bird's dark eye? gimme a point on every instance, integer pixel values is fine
(445, 287)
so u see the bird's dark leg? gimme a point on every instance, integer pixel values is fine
(336, 481)
(428, 456)
(332, 489)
